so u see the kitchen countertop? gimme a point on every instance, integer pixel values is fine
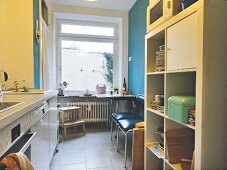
(30, 101)
(93, 95)
(69, 93)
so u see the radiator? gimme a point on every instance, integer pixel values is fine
(93, 111)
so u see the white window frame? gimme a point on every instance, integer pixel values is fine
(90, 38)
(87, 23)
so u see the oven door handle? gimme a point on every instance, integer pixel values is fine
(28, 143)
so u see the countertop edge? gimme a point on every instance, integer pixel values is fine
(14, 115)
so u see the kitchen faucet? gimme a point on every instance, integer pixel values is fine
(15, 83)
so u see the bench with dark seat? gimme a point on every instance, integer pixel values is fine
(126, 121)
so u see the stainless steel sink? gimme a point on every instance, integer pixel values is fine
(8, 105)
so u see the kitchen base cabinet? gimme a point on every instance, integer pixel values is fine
(40, 148)
(53, 125)
(30, 127)
(44, 144)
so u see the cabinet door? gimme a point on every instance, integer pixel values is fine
(40, 147)
(53, 129)
(182, 44)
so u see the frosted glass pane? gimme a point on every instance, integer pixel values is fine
(86, 64)
(87, 30)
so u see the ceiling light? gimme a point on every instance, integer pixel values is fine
(92, 0)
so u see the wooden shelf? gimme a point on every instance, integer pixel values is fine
(172, 72)
(181, 71)
(174, 166)
(186, 125)
(156, 112)
(155, 149)
(156, 73)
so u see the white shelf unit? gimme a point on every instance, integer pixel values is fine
(204, 77)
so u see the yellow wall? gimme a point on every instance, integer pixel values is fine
(17, 39)
(3, 34)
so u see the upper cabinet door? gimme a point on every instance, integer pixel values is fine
(182, 44)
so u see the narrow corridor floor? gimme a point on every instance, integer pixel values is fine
(93, 151)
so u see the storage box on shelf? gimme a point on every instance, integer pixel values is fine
(179, 108)
(179, 143)
(180, 83)
(195, 65)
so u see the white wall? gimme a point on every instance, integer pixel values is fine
(120, 17)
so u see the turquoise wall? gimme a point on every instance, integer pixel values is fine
(137, 31)
(36, 45)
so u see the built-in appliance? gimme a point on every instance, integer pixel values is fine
(40, 148)
(159, 11)
(34, 134)
(20, 142)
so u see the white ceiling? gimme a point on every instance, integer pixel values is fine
(122, 5)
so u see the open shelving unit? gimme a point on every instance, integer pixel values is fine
(195, 59)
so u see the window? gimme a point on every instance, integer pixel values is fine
(87, 30)
(86, 55)
(86, 64)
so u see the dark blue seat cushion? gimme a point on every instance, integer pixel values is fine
(126, 115)
(127, 124)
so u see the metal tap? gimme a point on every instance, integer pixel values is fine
(15, 84)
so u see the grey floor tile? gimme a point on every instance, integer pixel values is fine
(106, 168)
(99, 162)
(72, 167)
(72, 158)
(93, 151)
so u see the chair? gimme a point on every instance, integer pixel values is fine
(123, 115)
(127, 125)
(120, 116)
(71, 117)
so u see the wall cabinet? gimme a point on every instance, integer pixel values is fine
(182, 43)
